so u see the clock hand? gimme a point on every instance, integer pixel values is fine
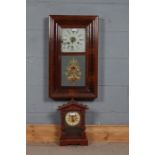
(72, 118)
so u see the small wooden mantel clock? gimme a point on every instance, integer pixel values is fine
(73, 124)
(73, 69)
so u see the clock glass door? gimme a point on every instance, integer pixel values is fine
(73, 57)
(73, 70)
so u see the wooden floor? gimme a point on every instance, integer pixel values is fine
(92, 149)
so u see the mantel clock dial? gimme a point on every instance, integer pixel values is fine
(72, 118)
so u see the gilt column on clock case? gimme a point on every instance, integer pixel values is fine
(73, 69)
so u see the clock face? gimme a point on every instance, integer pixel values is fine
(73, 40)
(72, 118)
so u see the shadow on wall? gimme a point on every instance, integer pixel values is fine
(54, 117)
(45, 67)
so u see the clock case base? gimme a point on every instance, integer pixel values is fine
(82, 142)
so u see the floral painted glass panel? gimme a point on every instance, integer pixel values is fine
(73, 71)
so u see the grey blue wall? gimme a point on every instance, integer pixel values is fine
(111, 106)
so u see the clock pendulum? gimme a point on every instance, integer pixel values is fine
(73, 69)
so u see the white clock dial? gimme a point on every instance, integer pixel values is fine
(73, 40)
(72, 118)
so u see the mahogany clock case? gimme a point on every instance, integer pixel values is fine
(87, 61)
(73, 134)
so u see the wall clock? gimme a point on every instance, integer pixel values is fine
(73, 56)
(73, 124)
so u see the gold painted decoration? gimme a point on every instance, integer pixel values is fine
(73, 72)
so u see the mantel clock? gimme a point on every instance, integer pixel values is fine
(73, 124)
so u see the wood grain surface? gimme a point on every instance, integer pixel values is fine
(47, 133)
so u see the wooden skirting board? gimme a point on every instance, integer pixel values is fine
(46, 133)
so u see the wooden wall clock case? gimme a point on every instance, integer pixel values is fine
(56, 24)
(73, 69)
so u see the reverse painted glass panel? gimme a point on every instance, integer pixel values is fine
(73, 71)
